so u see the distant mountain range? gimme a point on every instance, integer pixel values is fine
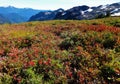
(79, 13)
(12, 14)
(16, 15)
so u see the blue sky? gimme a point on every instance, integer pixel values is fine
(54, 4)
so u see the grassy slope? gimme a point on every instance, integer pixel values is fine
(60, 52)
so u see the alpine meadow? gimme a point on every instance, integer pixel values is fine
(80, 45)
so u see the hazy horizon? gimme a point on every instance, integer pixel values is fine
(53, 4)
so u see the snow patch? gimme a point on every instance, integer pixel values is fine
(116, 14)
(82, 12)
(47, 13)
(63, 13)
(90, 10)
(60, 10)
(115, 10)
(103, 7)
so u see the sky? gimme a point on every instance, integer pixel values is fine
(53, 4)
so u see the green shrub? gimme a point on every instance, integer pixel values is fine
(109, 41)
(67, 43)
(26, 42)
(6, 79)
(29, 77)
(117, 24)
(108, 73)
(117, 49)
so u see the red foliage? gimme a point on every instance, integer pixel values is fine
(31, 63)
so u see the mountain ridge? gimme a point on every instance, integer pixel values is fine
(49, 15)
(83, 12)
(19, 14)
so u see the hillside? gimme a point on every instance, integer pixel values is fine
(61, 52)
(15, 18)
(18, 15)
(3, 19)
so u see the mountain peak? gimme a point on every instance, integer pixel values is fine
(11, 6)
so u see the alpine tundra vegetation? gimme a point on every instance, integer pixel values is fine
(61, 52)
